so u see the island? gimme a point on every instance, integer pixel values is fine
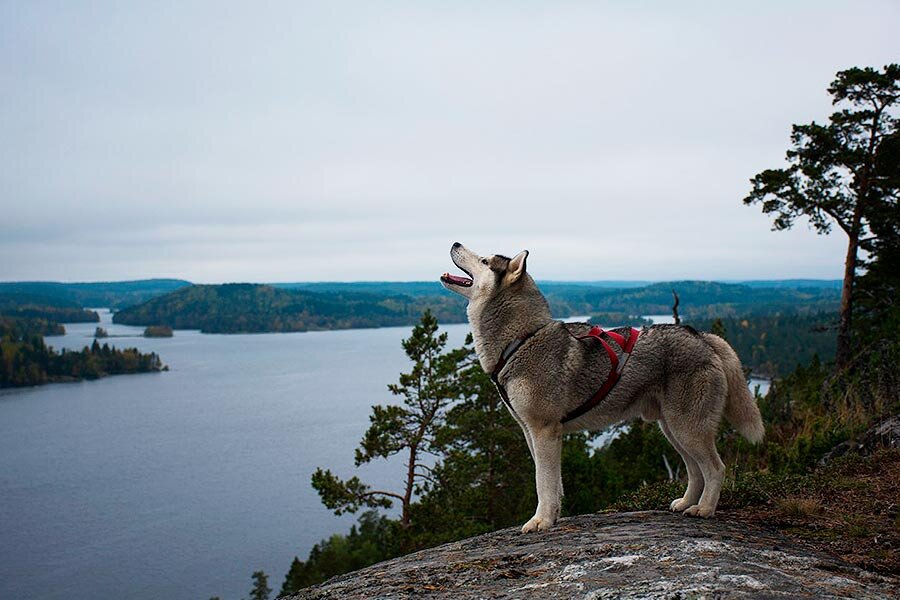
(158, 331)
(26, 360)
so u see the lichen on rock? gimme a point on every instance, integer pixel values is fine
(624, 555)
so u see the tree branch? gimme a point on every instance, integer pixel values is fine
(381, 493)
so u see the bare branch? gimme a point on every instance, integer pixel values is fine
(675, 308)
(668, 467)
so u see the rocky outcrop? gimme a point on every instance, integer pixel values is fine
(884, 434)
(624, 555)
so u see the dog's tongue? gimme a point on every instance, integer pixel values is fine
(457, 280)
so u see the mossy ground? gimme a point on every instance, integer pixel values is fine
(850, 508)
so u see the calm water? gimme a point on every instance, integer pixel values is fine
(178, 485)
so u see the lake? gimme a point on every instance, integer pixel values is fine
(179, 485)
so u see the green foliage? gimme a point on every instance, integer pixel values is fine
(410, 427)
(114, 294)
(833, 166)
(348, 496)
(21, 325)
(619, 319)
(26, 360)
(699, 300)
(252, 308)
(373, 540)
(846, 172)
(35, 307)
(261, 589)
(235, 308)
(774, 345)
(718, 328)
(594, 479)
(484, 480)
(158, 331)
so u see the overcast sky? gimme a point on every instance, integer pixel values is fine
(357, 140)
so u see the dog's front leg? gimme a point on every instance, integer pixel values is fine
(525, 432)
(547, 451)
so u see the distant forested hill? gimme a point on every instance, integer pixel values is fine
(773, 345)
(112, 294)
(234, 308)
(429, 288)
(253, 308)
(698, 299)
(834, 284)
(35, 306)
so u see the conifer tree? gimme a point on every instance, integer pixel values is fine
(485, 480)
(718, 328)
(408, 427)
(841, 173)
(261, 589)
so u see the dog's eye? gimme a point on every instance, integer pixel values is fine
(484, 261)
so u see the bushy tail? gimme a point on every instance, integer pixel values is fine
(740, 405)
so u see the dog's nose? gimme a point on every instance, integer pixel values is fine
(456, 244)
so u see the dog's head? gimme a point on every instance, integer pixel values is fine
(487, 275)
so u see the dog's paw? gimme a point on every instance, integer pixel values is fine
(679, 504)
(704, 512)
(537, 523)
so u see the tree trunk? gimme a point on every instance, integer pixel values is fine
(675, 308)
(844, 343)
(410, 482)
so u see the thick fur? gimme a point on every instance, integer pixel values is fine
(685, 380)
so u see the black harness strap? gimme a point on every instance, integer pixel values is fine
(504, 358)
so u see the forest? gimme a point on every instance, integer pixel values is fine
(774, 345)
(254, 308)
(113, 294)
(25, 358)
(36, 306)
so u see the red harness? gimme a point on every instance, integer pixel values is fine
(615, 370)
(615, 365)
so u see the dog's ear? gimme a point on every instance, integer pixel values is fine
(516, 267)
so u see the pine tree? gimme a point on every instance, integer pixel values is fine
(409, 427)
(294, 580)
(485, 480)
(261, 589)
(844, 172)
(718, 328)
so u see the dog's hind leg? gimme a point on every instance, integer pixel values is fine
(695, 476)
(547, 470)
(703, 450)
(692, 418)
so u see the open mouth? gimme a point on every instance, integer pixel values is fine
(456, 280)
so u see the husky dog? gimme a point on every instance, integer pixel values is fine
(685, 380)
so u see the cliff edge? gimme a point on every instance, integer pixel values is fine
(625, 555)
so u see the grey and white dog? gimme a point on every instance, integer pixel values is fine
(685, 380)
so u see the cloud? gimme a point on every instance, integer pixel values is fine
(357, 140)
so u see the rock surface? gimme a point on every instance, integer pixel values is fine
(625, 555)
(885, 434)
